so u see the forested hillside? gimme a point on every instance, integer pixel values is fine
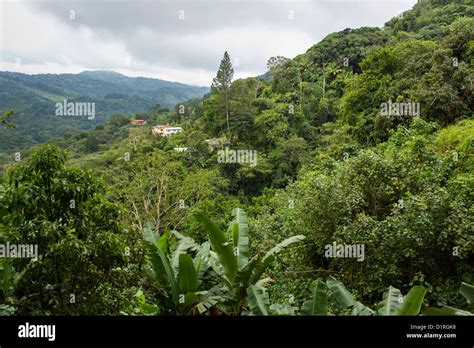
(33, 97)
(364, 141)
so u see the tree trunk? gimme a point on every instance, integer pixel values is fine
(227, 112)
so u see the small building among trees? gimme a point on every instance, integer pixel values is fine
(138, 122)
(165, 130)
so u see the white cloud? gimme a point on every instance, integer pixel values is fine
(157, 43)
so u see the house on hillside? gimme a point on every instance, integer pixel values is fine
(165, 130)
(155, 130)
(171, 130)
(138, 122)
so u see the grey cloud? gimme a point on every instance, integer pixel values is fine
(153, 34)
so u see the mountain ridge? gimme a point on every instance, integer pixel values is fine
(33, 97)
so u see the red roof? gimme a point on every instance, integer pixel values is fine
(140, 122)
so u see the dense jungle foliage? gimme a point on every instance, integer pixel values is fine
(130, 223)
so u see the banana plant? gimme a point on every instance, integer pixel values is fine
(393, 303)
(240, 272)
(467, 290)
(342, 296)
(181, 281)
(259, 302)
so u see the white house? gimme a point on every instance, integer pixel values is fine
(165, 130)
(168, 130)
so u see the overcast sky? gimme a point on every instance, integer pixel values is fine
(173, 40)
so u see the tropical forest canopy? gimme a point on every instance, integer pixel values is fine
(365, 140)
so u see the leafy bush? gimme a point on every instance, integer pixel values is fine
(86, 260)
(406, 203)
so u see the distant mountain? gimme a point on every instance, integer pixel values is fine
(34, 99)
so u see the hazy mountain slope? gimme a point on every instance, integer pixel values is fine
(34, 97)
(99, 84)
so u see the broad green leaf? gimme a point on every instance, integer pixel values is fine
(149, 233)
(209, 302)
(149, 309)
(446, 310)
(209, 259)
(188, 299)
(319, 301)
(239, 229)
(390, 301)
(140, 296)
(271, 255)
(243, 276)
(281, 309)
(360, 309)
(210, 298)
(185, 243)
(152, 236)
(339, 291)
(187, 274)
(221, 246)
(157, 265)
(345, 298)
(467, 290)
(258, 300)
(169, 273)
(163, 270)
(412, 302)
(162, 242)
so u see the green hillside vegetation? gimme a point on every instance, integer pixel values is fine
(131, 223)
(33, 97)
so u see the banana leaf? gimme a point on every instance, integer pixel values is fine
(239, 229)
(446, 311)
(345, 298)
(319, 301)
(163, 270)
(412, 302)
(222, 247)
(467, 290)
(270, 256)
(187, 275)
(258, 300)
(390, 301)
